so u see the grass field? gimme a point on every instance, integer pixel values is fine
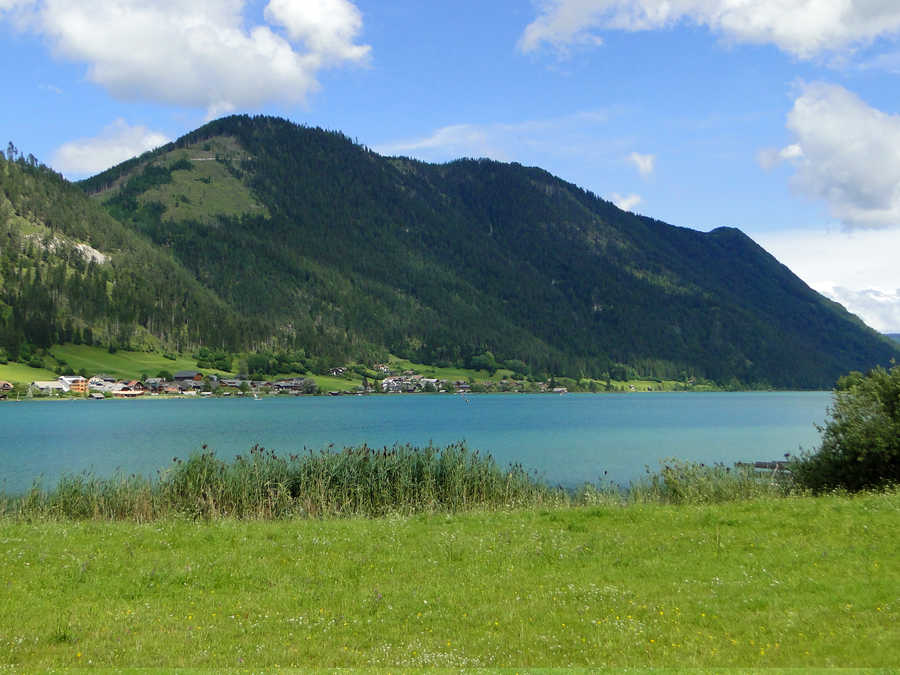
(775, 583)
(19, 372)
(124, 364)
(454, 374)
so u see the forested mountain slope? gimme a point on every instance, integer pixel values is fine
(257, 233)
(70, 272)
(350, 254)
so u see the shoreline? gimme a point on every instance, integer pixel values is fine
(349, 394)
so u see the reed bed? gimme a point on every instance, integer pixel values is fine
(364, 481)
(356, 481)
(680, 482)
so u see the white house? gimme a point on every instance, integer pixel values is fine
(50, 386)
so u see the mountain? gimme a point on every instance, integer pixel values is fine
(305, 240)
(70, 272)
(893, 336)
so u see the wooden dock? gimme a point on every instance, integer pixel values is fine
(766, 466)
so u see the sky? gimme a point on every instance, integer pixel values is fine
(778, 117)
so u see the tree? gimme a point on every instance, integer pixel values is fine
(861, 440)
(486, 362)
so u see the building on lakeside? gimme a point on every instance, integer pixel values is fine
(75, 383)
(49, 387)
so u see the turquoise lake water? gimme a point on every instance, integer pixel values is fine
(567, 439)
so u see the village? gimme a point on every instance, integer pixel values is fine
(194, 383)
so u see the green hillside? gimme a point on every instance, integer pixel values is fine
(71, 273)
(350, 255)
(257, 235)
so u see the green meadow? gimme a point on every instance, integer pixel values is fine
(127, 364)
(794, 582)
(123, 364)
(204, 189)
(20, 372)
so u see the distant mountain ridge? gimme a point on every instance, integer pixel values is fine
(310, 241)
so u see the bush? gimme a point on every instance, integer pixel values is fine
(861, 442)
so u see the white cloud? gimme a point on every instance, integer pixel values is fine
(527, 141)
(449, 142)
(625, 202)
(327, 27)
(846, 153)
(770, 157)
(643, 163)
(879, 309)
(15, 5)
(855, 268)
(117, 142)
(199, 54)
(804, 28)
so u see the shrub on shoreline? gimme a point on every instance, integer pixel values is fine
(861, 440)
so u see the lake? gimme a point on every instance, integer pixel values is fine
(567, 439)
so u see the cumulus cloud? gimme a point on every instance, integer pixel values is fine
(857, 268)
(199, 54)
(804, 28)
(116, 143)
(625, 202)
(879, 309)
(846, 153)
(327, 27)
(643, 163)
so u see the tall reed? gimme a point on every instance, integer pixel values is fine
(680, 482)
(354, 481)
(364, 481)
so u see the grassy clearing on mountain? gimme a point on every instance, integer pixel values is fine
(122, 363)
(201, 189)
(21, 372)
(786, 583)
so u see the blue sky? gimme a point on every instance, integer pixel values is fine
(780, 117)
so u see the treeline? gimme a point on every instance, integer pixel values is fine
(122, 293)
